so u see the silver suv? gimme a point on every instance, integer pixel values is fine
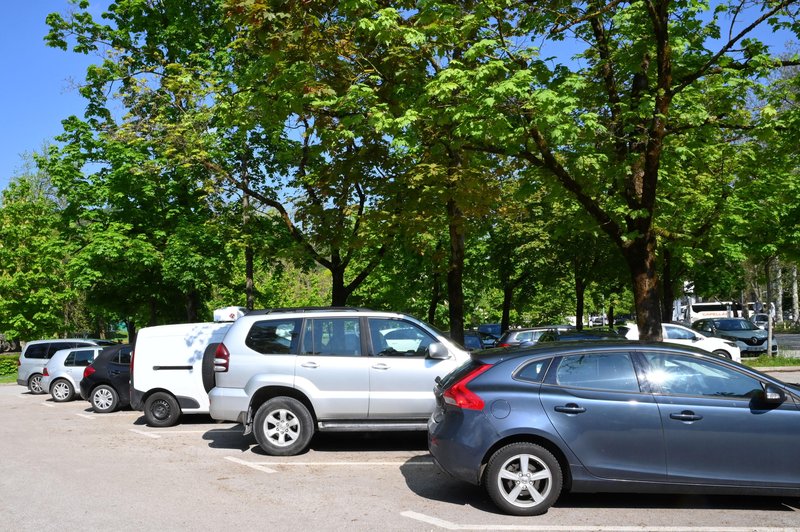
(286, 373)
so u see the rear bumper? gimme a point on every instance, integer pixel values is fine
(228, 404)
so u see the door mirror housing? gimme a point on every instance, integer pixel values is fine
(773, 395)
(438, 351)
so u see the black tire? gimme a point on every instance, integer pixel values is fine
(209, 376)
(104, 399)
(519, 470)
(35, 384)
(161, 410)
(283, 427)
(723, 354)
(62, 391)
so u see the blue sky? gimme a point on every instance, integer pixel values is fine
(38, 87)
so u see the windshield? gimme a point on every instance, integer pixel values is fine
(735, 325)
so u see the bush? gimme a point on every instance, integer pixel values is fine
(8, 364)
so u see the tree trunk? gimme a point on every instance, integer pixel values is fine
(339, 293)
(130, 325)
(795, 301)
(436, 294)
(192, 307)
(640, 256)
(779, 292)
(508, 296)
(249, 287)
(455, 272)
(580, 292)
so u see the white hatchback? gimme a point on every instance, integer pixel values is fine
(64, 371)
(678, 334)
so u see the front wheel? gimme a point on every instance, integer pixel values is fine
(723, 354)
(35, 384)
(104, 399)
(62, 391)
(161, 410)
(283, 426)
(523, 479)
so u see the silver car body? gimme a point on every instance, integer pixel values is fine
(384, 374)
(68, 365)
(37, 352)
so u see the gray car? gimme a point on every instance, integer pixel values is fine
(285, 374)
(752, 340)
(618, 416)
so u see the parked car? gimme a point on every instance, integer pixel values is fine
(473, 340)
(106, 381)
(285, 374)
(36, 354)
(760, 320)
(172, 370)
(64, 371)
(616, 417)
(528, 335)
(554, 335)
(492, 329)
(678, 334)
(751, 340)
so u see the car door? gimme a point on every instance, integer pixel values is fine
(596, 405)
(717, 430)
(119, 372)
(331, 370)
(401, 374)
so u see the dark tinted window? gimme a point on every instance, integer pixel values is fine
(611, 371)
(80, 358)
(534, 371)
(58, 346)
(332, 337)
(123, 357)
(681, 375)
(277, 337)
(36, 351)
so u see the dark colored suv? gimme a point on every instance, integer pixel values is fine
(106, 382)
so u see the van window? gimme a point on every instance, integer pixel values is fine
(274, 337)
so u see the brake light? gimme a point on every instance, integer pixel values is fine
(45, 373)
(88, 371)
(460, 396)
(222, 358)
(503, 344)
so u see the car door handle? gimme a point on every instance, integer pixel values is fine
(570, 408)
(686, 415)
(381, 366)
(310, 365)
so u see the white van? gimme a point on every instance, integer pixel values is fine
(168, 373)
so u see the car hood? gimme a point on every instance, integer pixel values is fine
(756, 333)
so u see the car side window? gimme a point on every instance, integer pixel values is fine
(58, 346)
(80, 358)
(683, 375)
(533, 371)
(676, 333)
(274, 337)
(36, 351)
(123, 357)
(332, 337)
(607, 371)
(398, 338)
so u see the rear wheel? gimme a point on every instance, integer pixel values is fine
(35, 384)
(62, 391)
(523, 479)
(283, 426)
(161, 410)
(104, 399)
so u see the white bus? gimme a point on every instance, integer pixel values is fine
(711, 309)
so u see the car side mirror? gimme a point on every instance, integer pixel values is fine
(773, 395)
(438, 351)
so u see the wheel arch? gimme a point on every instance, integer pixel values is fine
(536, 439)
(264, 394)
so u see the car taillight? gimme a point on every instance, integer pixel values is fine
(222, 358)
(503, 344)
(462, 397)
(45, 373)
(88, 371)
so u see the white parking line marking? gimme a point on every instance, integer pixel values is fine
(251, 465)
(87, 416)
(148, 434)
(48, 405)
(441, 523)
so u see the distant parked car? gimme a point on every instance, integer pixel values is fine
(64, 371)
(555, 335)
(473, 340)
(36, 354)
(678, 334)
(751, 340)
(106, 381)
(490, 328)
(618, 416)
(528, 335)
(760, 320)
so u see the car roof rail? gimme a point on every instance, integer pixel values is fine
(307, 309)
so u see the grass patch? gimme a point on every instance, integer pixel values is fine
(6, 379)
(765, 361)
